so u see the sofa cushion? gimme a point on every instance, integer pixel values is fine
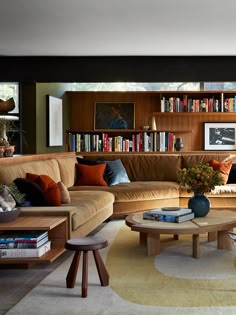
(65, 195)
(115, 172)
(223, 167)
(50, 188)
(18, 170)
(91, 175)
(232, 175)
(138, 191)
(90, 204)
(67, 170)
(86, 162)
(32, 191)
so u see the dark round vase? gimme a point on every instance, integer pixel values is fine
(200, 205)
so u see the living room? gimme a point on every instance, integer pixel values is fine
(51, 46)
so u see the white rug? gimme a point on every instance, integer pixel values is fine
(52, 297)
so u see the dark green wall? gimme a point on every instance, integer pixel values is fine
(34, 115)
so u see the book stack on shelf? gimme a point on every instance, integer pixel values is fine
(15, 244)
(169, 214)
(147, 141)
(189, 104)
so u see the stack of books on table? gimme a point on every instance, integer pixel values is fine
(15, 244)
(169, 214)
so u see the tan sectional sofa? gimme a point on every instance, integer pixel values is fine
(153, 181)
(152, 184)
(87, 209)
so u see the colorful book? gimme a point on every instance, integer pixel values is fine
(22, 235)
(25, 252)
(23, 243)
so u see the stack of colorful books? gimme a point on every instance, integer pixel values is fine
(16, 244)
(169, 214)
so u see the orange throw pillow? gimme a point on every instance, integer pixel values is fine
(50, 188)
(223, 167)
(91, 175)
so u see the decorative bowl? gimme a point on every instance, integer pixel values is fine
(7, 216)
(146, 127)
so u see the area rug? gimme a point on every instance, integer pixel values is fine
(171, 283)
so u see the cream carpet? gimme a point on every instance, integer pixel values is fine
(172, 283)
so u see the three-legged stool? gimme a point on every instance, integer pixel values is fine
(85, 244)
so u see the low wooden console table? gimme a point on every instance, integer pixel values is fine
(57, 234)
(216, 224)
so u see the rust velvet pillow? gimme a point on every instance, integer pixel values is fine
(223, 167)
(49, 187)
(91, 175)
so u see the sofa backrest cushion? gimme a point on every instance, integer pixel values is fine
(12, 171)
(193, 159)
(147, 167)
(67, 170)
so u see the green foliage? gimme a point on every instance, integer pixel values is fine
(199, 178)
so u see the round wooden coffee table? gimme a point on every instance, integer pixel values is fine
(217, 223)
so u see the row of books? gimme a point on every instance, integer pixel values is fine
(152, 141)
(24, 244)
(169, 214)
(186, 104)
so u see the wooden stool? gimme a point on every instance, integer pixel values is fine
(84, 245)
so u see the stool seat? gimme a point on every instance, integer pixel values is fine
(85, 244)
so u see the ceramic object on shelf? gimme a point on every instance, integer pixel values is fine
(7, 216)
(179, 145)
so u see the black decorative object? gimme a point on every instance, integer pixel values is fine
(179, 144)
(200, 205)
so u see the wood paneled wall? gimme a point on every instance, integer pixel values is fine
(82, 105)
(189, 126)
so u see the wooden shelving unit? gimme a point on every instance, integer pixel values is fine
(187, 125)
(57, 233)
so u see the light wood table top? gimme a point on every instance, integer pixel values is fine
(217, 222)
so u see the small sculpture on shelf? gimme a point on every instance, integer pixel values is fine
(6, 125)
(179, 144)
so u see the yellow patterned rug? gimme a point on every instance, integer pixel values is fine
(173, 278)
(172, 283)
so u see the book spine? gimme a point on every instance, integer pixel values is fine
(25, 252)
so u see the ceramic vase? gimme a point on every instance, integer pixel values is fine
(179, 144)
(200, 204)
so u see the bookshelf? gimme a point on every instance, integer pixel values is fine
(219, 106)
(57, 234)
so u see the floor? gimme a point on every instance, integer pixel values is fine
(16, 283)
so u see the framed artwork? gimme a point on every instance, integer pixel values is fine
(220, 136)
(114, 115)
(54, 121)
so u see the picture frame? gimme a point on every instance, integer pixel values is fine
(114, 115)
(54, 121)
(220, 136)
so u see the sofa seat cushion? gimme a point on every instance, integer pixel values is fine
(138, 191)
(88, 203)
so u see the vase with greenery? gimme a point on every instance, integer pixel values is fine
(199, 179)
